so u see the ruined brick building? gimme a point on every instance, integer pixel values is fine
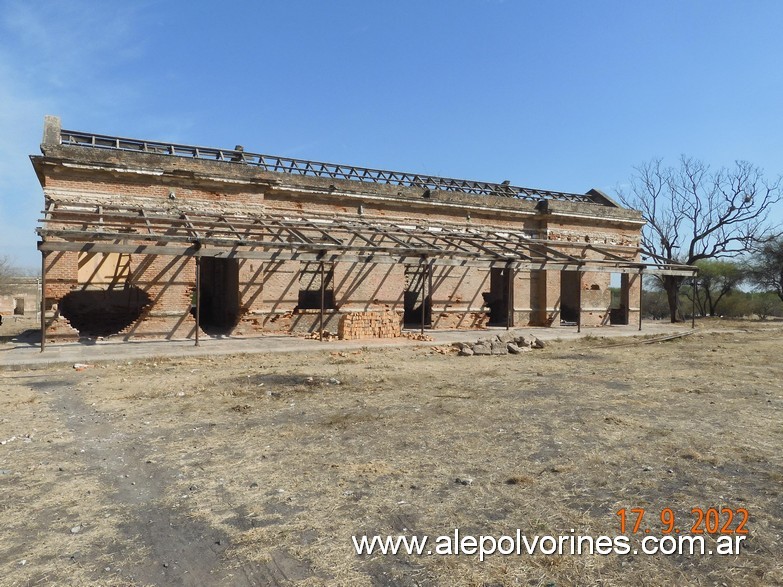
(19, 296)
(149, 239)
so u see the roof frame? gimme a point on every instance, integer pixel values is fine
(303, 167)
(267, 235)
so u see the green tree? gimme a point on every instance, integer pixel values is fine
(737, 304)
(654, 304)
(766, 304)
(694, 214)
(714, 281)
(767, 266)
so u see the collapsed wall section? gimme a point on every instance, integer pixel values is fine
(151, 297)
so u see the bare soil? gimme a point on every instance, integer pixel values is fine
(20, 329)
(257, 470)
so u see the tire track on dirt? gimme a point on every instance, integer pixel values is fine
(167, 546)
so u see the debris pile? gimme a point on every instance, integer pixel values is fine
(317, 335)
(418, 336)
(502, 344)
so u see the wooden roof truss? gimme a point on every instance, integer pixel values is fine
(279, 236)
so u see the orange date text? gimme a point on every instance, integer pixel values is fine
(712, 520)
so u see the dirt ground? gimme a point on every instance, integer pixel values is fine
(257, 470)
(20, 328)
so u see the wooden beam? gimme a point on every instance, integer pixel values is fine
(641, 292)
(323, 303)
(302, 252)
(198, 297)
(510, 298)
(43, 300)
(449, 245)
(282, 255)
(423, 293)
(579, 310)
(693, 303)
(93, 247)
(680, 272)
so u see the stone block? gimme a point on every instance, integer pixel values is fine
(499, 348)
(482, 349)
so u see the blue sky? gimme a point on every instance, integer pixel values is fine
(557, 95)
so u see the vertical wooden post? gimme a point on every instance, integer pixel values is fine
(198, 297)
(509, 297)
(423, 293)
(579, 308)
(641, 292)
(429, 288)
(323, 303)
(693, 301)
(43, 300)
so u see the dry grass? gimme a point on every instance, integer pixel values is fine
(257, 470)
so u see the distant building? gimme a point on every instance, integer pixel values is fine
(20, 296)
(144, 238)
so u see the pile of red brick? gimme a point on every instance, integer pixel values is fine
(358, 325)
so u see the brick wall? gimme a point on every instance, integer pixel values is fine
(269, 291)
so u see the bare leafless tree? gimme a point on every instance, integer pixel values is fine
(694, 213)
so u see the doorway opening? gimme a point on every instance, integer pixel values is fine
(618, 309)
(417, 286)
(497, 300)
(570, 286)
(219, 295)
